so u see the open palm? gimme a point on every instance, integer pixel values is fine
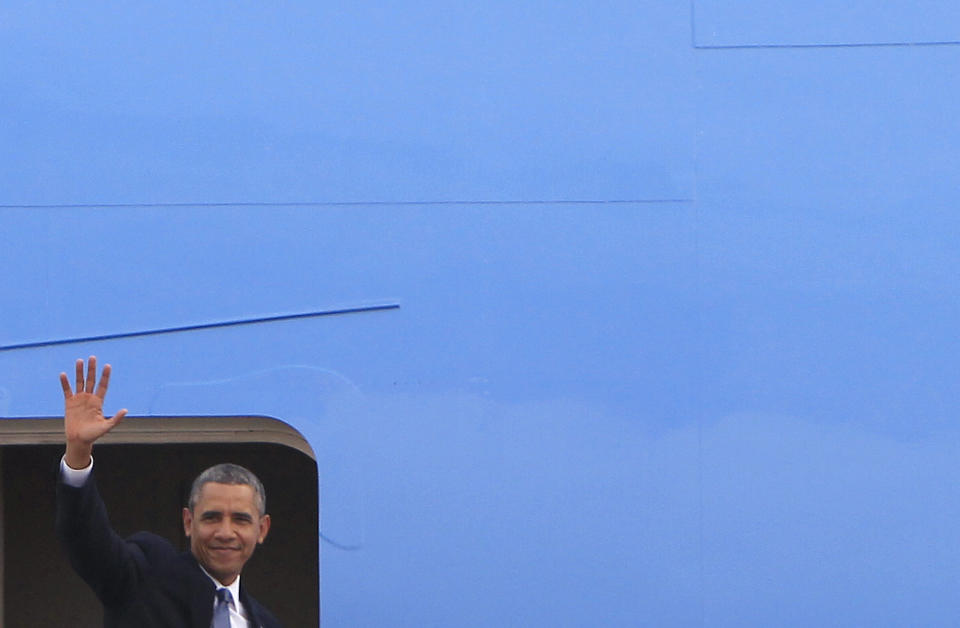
(84, 422)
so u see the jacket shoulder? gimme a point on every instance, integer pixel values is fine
(155, 548)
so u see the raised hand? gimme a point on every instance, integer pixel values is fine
(83, 419)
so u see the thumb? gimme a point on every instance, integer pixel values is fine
(116, 418)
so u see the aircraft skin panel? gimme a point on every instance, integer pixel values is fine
(355, 102)
(851, 129)
(828, 237)
(742, 23)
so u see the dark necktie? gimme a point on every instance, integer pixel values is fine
(221, 612)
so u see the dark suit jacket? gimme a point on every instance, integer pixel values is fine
(142, 581)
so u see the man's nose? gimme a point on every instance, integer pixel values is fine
(225, 529)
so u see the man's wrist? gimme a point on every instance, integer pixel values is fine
(78, 457)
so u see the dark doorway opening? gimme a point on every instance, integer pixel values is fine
(144, 487)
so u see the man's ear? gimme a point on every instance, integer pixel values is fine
(187, 521)
(264, 528)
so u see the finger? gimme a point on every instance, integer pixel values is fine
(104, 381)
(91, 374)
(65, 383)
(79, 376)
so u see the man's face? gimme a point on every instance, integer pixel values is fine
(224, 527)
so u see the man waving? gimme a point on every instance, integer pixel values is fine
(143, 581)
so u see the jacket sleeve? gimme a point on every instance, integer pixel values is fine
(111, 566)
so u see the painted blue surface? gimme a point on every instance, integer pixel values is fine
(345, 101)
(727, 401)
(721, 23)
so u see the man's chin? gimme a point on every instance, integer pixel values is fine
(225, 571)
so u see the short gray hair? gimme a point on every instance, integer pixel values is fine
(228, 473)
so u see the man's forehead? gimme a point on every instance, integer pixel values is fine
(226, 494)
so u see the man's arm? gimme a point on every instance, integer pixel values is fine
(83, 420)
(109, 565)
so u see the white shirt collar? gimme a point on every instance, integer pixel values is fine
(233, 587)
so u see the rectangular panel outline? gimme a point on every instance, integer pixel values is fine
(697, 45)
